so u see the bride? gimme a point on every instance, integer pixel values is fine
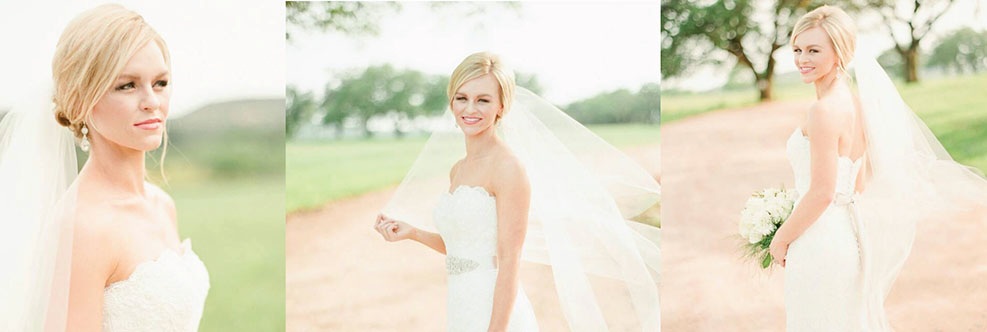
(100, 250)
(533, 185)
(858, 160)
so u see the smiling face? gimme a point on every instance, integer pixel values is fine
(132, 113)
(815, 56)
(476, 104)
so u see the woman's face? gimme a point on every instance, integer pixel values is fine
(815, 56)
(132, 113)
(477, 104)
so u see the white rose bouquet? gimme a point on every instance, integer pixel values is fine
(765, 211)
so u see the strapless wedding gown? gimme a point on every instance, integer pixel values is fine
(166, 295)
(822, 269)
(467, 221)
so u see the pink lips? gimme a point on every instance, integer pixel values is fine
(471, 120)
(150, 124)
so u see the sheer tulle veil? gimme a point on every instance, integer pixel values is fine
(583, 193)
(911, 179)
(37, 201)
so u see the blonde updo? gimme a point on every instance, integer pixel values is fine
(838, 25)
(92, 51)
(478, 64)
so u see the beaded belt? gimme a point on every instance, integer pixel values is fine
(459, 265)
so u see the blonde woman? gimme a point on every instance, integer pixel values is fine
(109, 258)
(866, 170)
(510, 188)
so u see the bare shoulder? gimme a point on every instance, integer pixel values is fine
(828, 115)
(455, 169)
(96, 234)
(162, 200)
(509, 173)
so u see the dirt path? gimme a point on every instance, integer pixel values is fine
(711, 163)
(341, 276)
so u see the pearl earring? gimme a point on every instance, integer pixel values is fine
(84, 144)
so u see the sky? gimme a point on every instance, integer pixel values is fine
(221, 50)
(871, 33)
(576, 50)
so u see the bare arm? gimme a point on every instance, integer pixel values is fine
(513, 201)
(92, 266)
(824, 129)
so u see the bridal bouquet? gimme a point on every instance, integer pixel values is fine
(765, 211)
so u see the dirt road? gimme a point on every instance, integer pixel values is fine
(711, 163)
(341, 276)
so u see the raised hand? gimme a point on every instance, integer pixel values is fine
(392, 229)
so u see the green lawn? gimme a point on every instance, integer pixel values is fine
(954, 108)
(317, 173)
(237, 229)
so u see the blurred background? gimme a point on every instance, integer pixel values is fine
(731, 96)
(224, 164)
(735, 53)
(365, 80)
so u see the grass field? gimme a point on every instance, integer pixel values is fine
(317, 173)
(954, 108)
(237, 229)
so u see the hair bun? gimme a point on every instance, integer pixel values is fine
(62, 119)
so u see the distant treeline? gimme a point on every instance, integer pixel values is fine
(401, 95)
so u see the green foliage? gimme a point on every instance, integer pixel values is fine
(355, 18)
(320, 172)
(383, 90)
(964, 51)
(619, 106)
(698, 33)
(299, 107)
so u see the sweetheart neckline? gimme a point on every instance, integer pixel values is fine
(466, 186)
(185, 247)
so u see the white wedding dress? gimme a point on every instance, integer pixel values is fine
(822, 269)
(166, 295)
(467, 221)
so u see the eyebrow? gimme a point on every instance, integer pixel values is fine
(480, 95)
(132, 76)
(808, 46)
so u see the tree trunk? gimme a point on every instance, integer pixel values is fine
(911, 65)
(764, 87)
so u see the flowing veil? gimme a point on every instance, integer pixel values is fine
(911, 179)
(37, 167)
(583, 193)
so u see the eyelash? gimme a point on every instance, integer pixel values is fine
(130, 85)
(464, 99)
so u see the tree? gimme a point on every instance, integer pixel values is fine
(963, 51)
(916, 18)
(383, 91)
(353, 18)
(299, 107)
(691, 31)
(619, 106)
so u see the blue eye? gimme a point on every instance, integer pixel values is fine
(161, 83)
(126, 86)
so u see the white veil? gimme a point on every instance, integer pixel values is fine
(37, 166)
(911, 179)
(583, 191)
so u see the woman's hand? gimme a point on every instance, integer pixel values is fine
(393, 230)
(779, 250)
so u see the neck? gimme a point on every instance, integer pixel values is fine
(122, 168)
(826, 84)
(480, 145)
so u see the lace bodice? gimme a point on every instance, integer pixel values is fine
(800, 158)
(467, 221)
(166, 294)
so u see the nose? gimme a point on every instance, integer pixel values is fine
(150, 101)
